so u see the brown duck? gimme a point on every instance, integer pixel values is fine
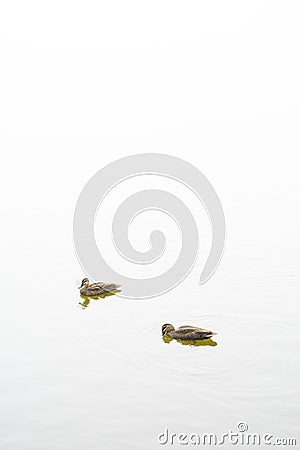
(186, 332)
(96, 289)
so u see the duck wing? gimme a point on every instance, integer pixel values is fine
(187, 332)
(108, 287)
(190, 327)
(95, 289)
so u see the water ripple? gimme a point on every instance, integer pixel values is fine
(244, 357)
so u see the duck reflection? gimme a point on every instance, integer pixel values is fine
(86, 301)
(199, 343)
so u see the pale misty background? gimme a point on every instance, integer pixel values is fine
(85, 83)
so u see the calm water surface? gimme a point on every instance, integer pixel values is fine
(84, 84)
(100, 375)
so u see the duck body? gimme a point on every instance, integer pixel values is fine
(186, 332)
(96, 289)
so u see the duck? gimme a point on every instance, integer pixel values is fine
(186, 332)
(96, 289)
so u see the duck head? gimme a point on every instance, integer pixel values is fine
(85, 283)
(166, 328)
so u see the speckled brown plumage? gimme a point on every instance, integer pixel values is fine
(186, 332)
(96, 289)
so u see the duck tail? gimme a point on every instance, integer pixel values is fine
(111, 287)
